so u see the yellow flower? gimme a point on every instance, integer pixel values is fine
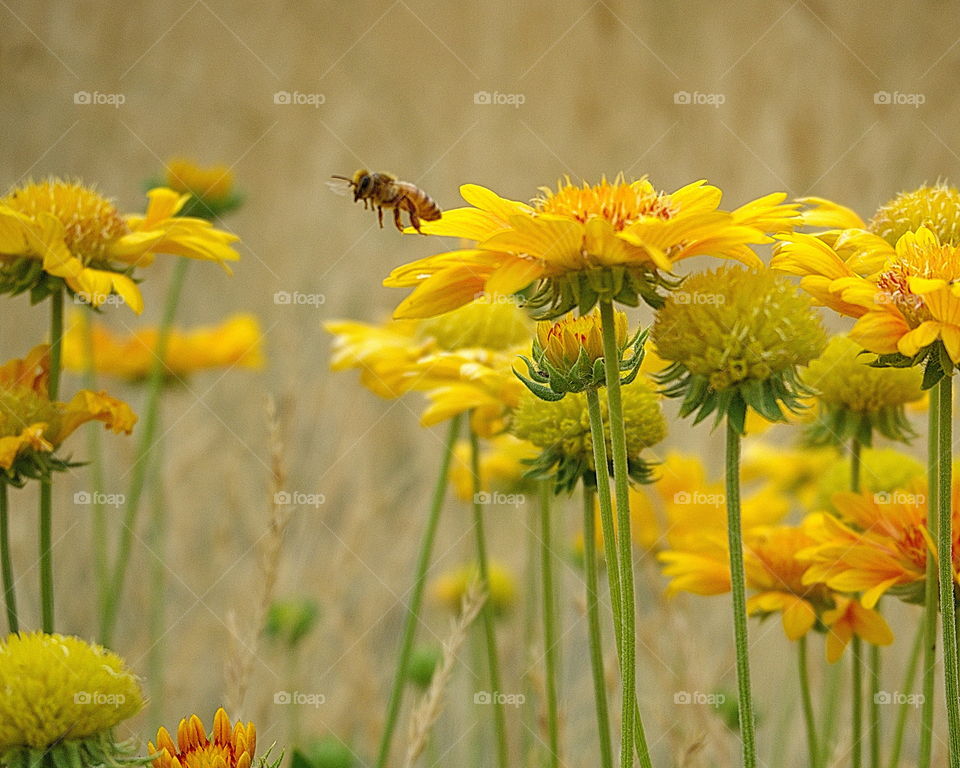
(609, 240)
(564, 341)
(936, 207)
(882, 470)
(850, 618)
(60, 229)
(795, 472)
(32, 425)
(463, 360)
(211, 188)
(877, 542)
(234, 343)
(503, 462)
(226, 747)
(64, 695)
(451, 586)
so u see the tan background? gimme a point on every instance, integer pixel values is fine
(398, 82)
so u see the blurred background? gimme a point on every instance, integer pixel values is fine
(801, 97)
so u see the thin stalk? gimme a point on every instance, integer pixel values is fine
(738, 591)
(549, 625)
(6, 564)
(931, 605)
(609, 535)
(158, 586)
(144, 450)
(874, 706)
(812, 749)
(908, 681)
(618, 442)
(856, 715)
(829, 719)
(416, 598)
(95, 451)
(46, 480)
(593, 622)
(531, 590)
(948, 625)
(493, 659)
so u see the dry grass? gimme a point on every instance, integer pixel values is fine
(398, 79)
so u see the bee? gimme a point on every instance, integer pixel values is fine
(382, 190)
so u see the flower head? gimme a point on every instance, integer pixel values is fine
(211, 188)
(63, 696)
(561, 430)
(226, 747)
(32, 426)
(882, 470)
(856, 398)
(450, 587)
(236, 342)
(57, 232)
(735, 338)
(935, 207)
(568, 355)
(578, 244)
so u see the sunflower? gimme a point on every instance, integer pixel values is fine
(59, 232)
(32, 426)
(62, 699)
(236, 342)
(211, 188)
(577, 245)
(226, 747)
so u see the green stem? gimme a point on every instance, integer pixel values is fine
(908, 681)
(812, 749)
(143, 455)
(874, 706)
(593, 622)
(829, 719)
(609, 535)
(930, 599)
(738, 591)
(46, 480)
(529, 633)
(416, 598)
(549, 625)
(6, 564)
(856, 716)
(945, 565)
(618, 443)
(483, 563)
(95, 449)
(158, 587)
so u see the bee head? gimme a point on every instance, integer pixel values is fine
(362, 183)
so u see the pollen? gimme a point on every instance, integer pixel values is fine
(617, 202)
(90, 221)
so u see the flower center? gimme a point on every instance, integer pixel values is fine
(936, 207)
(20, 407)
(617, 202)
(90, 221)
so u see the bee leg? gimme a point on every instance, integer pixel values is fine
(396, 219)
(380, 216)
(415, 220)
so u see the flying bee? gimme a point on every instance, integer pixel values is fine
(382, 190)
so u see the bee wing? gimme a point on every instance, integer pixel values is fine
(340, 186)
